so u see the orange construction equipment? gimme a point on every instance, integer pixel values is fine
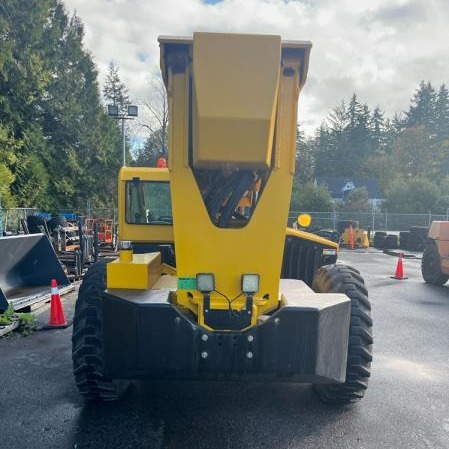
(399, 269)
(105, 231)
(57, 318)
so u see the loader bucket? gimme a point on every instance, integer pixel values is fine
(28, 263)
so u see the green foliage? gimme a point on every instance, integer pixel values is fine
(7, 316)
(413, 146)
(310, 198)
(114, 91)
(55, 137)
(27, 321)
(356, 201)
(413, 196)
(152, 150)
(8, 147)
(156, 144)
(305, 160)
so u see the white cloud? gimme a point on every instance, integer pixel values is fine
(380, 49)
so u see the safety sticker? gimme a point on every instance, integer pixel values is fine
(186, 283)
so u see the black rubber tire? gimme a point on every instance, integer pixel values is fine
(422, 231)
(403, 239)
(431, 266)
(379, 241)
(391, 241)
(87, 340)
(380, 234)
(36, 224)
(344, 279)
(54, 222)
(415, 242)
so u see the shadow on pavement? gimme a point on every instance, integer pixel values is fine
(210, 415)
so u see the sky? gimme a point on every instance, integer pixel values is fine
(379, 49)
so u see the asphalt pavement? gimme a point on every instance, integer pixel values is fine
(406, 405)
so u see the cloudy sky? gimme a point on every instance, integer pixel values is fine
(380, 49)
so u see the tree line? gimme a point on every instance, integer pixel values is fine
(408, 154)
(58, 147)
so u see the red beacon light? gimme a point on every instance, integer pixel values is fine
(161, 163)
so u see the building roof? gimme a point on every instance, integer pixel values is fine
(338, 186)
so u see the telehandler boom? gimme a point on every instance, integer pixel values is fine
(224, 312)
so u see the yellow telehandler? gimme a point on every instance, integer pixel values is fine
(208, 284)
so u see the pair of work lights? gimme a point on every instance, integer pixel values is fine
(205, 283)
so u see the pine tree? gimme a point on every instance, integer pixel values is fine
(305, 161)
(422, 109)
(55, 136)
(442, 114)
(114, 91)
(377, 129)
(358, 145)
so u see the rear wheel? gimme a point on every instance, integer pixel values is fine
(431, 266)
(87, 340)
(347, 280)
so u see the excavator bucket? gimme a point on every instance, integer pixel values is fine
(28, 263)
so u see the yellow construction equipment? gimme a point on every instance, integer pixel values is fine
(354, 237)
(222, 290)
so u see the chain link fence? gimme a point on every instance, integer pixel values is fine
(385, 221)
(10, 218)
(380, 221)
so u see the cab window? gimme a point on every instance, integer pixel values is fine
(148, 202)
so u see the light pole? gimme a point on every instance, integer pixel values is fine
(132, 111)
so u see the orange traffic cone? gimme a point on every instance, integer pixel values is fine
(351, 237)
(399, 269)
(57, 318)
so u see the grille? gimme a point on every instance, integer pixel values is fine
(301, 259)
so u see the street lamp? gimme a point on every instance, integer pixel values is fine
(131, 112)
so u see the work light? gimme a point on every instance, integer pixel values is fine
(250, 283)
(125, 244)
(205, 282)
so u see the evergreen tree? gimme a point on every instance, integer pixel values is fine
(8, 149)
(55, 138)
(422, 109)
(442, 114)
(152, 150)
(329, 142)
(305, 162)
(114, 91)
(358, 140)
(378, 132)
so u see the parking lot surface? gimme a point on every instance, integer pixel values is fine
(406, 405)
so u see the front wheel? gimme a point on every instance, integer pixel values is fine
(87, 340)
(347, 280)
(431, 266)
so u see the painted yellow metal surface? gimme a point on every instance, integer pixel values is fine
(360, 237)
(202, 247)
(311, 237)
(141, 272)
(233, 122)
(141, 232)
